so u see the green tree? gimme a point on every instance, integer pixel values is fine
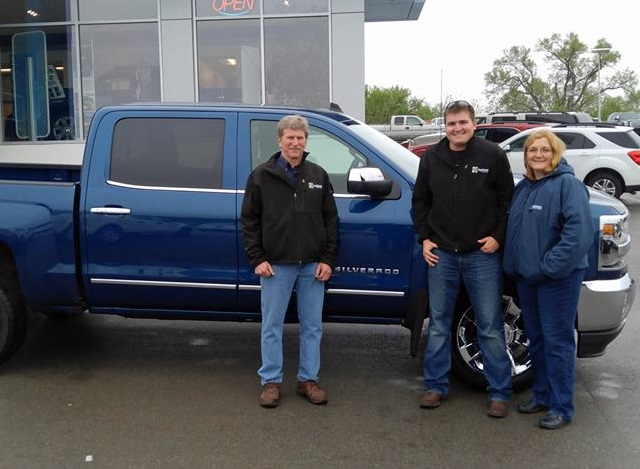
(382, 103)
(570, 83)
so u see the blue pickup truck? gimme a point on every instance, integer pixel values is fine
(148, 228)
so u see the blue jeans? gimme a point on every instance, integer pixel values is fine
(275, 296)
(549, 312)
(482, 277)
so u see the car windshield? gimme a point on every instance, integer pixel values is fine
(405, 161)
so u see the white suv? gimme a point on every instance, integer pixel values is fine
(603, 156)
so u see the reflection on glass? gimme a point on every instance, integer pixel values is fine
(229, 61)
(295, 6)
(297, 61)
(96, 10)
(34, 11)
(119, 64)
(59, 83)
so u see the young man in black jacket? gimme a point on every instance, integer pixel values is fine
(290, 224)
(460, 202)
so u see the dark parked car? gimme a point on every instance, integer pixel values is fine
(630, 118)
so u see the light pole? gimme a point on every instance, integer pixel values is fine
(600, 51)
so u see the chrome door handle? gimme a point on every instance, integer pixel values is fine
(111, 210)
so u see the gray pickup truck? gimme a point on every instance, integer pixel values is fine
(405, 127)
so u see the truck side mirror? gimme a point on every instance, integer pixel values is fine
(369, 181)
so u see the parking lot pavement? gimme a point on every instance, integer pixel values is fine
(121, 393)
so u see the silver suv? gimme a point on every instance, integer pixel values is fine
(603, 156)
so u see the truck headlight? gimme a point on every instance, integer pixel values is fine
(615, 242)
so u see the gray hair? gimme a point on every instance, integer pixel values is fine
(293, 122)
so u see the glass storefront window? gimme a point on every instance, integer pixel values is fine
(296, 52)
(229, 61)
(34, 11)
(119, 64)
(248, 51)
(295, 6)
(228, 8)
(99, 10)
(55, 103)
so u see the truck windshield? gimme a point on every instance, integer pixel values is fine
(405, 161)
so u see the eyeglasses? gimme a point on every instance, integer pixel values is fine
(543, 150)
(458, 104)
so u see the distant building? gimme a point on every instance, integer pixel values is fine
(60, 60)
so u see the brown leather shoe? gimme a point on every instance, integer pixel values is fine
(431, 400)
(498, 409)
(270, 395)
(314, 393)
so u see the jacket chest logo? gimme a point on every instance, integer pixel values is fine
(315, 186)
(476, 170)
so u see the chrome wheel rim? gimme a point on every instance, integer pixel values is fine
(515, 337)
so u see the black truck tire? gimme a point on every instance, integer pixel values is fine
(466, 360)
(607, 182)
(13, 318)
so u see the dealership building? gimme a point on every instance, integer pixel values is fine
(60, 60)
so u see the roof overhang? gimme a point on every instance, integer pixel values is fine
(392, 10)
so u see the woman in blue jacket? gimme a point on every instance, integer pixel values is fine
(549, 232)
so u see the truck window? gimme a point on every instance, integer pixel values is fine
(180, 153)
(413, 120)
(334, 155)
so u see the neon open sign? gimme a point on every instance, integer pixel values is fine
(233, 7)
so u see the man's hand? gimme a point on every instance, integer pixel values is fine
(323, 272)
(427, 253)
(489, 244)
(264, 270)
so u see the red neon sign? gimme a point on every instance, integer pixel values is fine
(233, 7)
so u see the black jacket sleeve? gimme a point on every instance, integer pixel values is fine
(330, 216)
(251, 221)
(422, 200)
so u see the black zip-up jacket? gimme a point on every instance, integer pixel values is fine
(460, 197)
(285, 223)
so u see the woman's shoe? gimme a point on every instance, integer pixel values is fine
(531, 407)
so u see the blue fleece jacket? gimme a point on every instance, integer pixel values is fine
(549, 227)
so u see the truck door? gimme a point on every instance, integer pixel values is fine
(159, 217)
(376, 238)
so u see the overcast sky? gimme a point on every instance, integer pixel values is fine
(459, 40)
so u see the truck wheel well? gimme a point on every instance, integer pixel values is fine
(13, 312)
(7, 264)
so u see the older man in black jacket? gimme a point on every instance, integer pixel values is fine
(290, 221)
